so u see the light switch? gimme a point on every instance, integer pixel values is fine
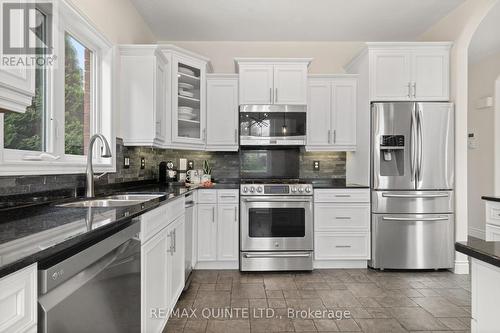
(126, 162)
(316, 165)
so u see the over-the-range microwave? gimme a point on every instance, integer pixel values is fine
(273, 125)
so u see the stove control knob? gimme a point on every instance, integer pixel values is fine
(301, 189)
(308, 190)
(245, 189)
(252, 189)
(259, 189)
(294, 189)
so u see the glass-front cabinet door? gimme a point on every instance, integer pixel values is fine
(188, 106)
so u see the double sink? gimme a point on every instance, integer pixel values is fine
(121, 200)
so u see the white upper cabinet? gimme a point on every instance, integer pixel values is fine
(273, 81)
(256, 84)
(331, 113)
(290, 84)
(409, 71)
(222, 112)
(143, 76)
(17, 88)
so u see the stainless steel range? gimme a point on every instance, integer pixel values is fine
(276, 230)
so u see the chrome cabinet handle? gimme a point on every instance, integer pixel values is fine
(330, 136)
(416, 196)
(175, 240)
(213, 214)
(171, 247)
(342, 195)
(235, 214)
(228, 196)
(236, 135)
(276, 96)
(414, 89)
(342, 218)
(334, 136)
(409, 90)
(411, 219)
(271, 95)
(343, 246)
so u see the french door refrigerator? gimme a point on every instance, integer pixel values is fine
(412, 184)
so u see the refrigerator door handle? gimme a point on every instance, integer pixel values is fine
(420, 143)
(412, 219)
(416, 196)
(413, 143)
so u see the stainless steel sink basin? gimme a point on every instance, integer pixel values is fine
(134, 197)
(121, 200)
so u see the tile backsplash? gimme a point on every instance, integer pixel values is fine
(225, 165)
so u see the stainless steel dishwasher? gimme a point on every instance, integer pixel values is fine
(189, 237)
(95, 290)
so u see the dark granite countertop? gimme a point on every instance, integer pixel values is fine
(36, 233)
(480, 249)
(490, 198)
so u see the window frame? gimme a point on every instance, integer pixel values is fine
(54, 160)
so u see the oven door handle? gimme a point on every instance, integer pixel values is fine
(277, 255)
(277, 200)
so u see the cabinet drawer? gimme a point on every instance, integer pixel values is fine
(493, 212)
(152, 222)
(341, 217)
(227, 196)
(207, 196)
(18, 300)
(492, 233)
(346, 246)
(342, 195)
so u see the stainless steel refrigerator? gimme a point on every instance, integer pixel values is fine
(412, 147)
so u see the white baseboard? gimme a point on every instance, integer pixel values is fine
(477, 232)
(323, 264)
(461, 264)
(217, 265)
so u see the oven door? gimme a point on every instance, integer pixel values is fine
(276, 223)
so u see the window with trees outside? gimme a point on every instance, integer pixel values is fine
(72, 101)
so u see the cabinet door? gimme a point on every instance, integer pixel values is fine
(222, 114)
(390, 75)
(17, 88)
(175, 262)
(18, 301)
(319, 111)
(160, 107)
(227, 232)
(431, 75)
(492, 233)
(188, 104)
(154, 289)
(344, 113)
(207, 232)
(290, 84)
(256, 84)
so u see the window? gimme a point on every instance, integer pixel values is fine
(77, 96)
(27, 131)
(72, 101)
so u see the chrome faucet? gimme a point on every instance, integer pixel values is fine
(105, 152)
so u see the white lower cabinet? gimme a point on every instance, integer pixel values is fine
(18, 301)
(485, 291)
(218, 229)
(341, 228)
(492, 233)
(162, 260)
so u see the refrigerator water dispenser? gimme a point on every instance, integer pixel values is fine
(392, 149)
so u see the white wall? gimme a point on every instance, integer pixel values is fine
(459, 26)
(482, 78)
(118, 20)
(329, 57)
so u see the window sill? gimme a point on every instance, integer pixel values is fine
(39, 168)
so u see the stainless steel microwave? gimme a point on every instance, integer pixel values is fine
(273, 125)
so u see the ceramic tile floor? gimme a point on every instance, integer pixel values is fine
(354, 300)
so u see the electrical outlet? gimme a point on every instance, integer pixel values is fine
(126, 162)
(190, 165)
(316, 166)
(143, 163)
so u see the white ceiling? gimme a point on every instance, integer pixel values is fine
(292, 20)
(486, 40)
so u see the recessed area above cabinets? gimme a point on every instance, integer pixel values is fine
(272, 81)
